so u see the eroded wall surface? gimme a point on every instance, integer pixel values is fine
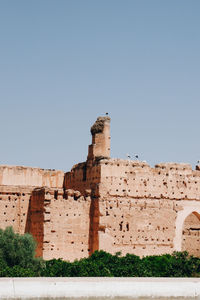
(83, 176)
(103, 203)
(60, 222)
(110, 204)
(138, 205)
(138, 179)
(139, 226)
(135, 207)
(14, 202)
(26, 176)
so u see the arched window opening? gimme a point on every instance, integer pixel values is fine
(191, 234)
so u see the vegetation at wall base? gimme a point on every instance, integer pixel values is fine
(17, 255)
(17, 260)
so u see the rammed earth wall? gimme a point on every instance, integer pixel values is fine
(60, 223)
(137, 206)
(103, 203)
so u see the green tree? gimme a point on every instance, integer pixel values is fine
(17, 259)
(16, 249)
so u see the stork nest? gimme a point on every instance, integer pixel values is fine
(99, 125)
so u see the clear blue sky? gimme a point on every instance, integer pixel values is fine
(63, 63)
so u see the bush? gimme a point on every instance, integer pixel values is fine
(56, 268)
(17, 271)
(18, 252)
(17, 259)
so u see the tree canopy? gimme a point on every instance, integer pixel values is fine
(17, 259)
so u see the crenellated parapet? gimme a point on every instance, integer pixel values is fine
(138, 180)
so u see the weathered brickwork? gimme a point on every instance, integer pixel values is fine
(60, 222)
(26, 176)
(138, 226)
(103, 203)
(14, 202)
(138, 205)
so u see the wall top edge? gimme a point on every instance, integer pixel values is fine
(14, 188)
(29, 168)
(138, 163)
(166, 166)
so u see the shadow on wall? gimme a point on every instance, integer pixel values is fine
(94, 225)
(35, 219)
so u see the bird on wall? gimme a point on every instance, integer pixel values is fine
(128, 156)
(136, 156)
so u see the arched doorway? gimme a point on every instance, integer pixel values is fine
(191, 234)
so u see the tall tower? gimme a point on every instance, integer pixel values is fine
(100, 146)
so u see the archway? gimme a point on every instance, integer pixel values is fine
(191, 234)
(189, 207)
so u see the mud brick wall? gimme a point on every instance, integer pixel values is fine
(60, 223)
(139, 226)
(138, 206)
(103, 203)
(14, 202)
(27, 176)
(138, 179)
(83, 176)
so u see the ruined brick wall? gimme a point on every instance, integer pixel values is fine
(139, 226)
(137, 179)
(110, 204)
(14, 202)
(135, 207)
(100, 146)
(87, 175)
(83, 176)
(26, 176)
(138, 205)
(60, 223)
(16, 186)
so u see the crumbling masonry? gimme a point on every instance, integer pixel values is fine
(104, 203)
